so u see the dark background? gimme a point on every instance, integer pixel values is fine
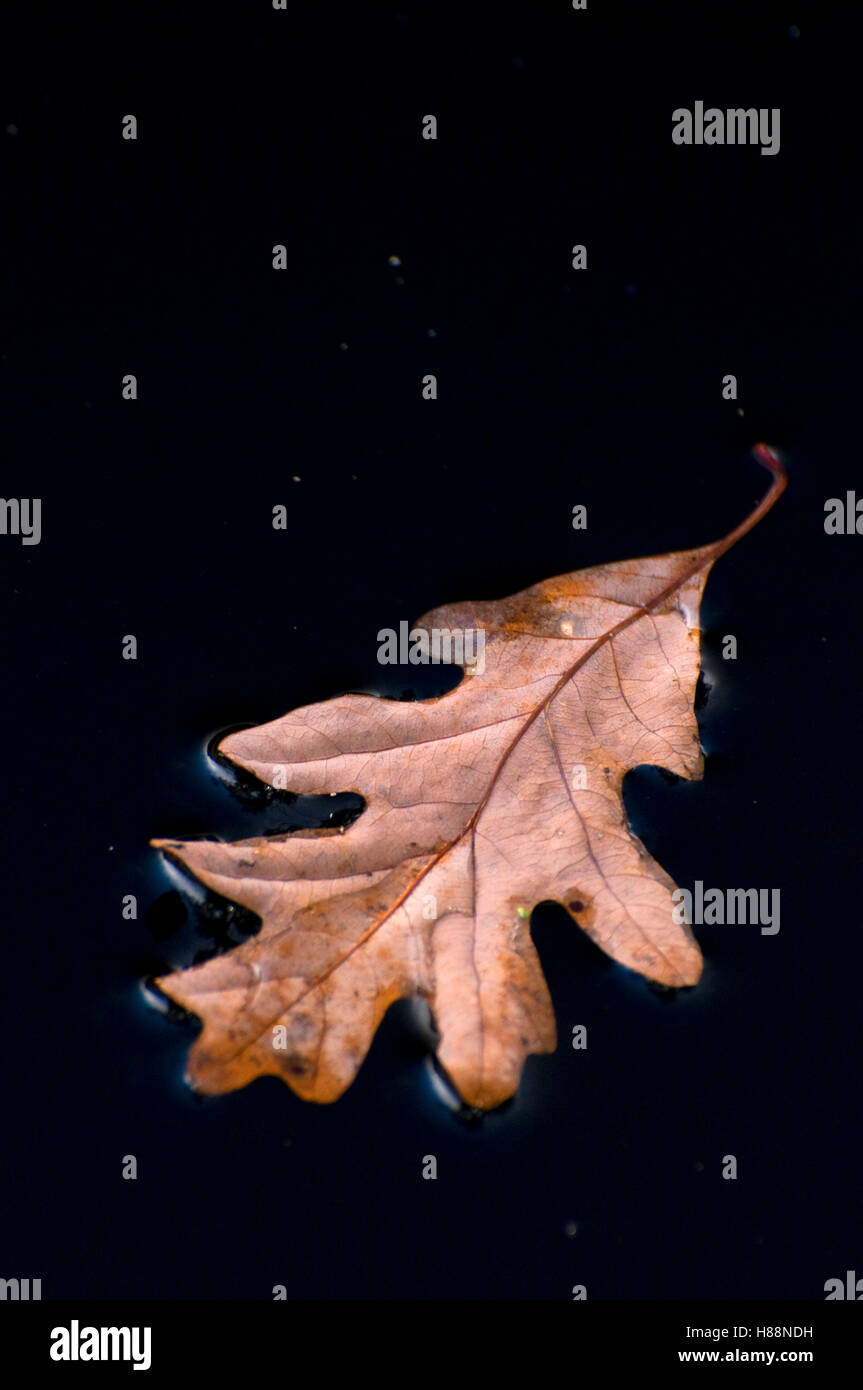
(556, 387)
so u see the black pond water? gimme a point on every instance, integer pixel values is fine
(302, 389)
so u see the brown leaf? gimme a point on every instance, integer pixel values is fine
(473, 815)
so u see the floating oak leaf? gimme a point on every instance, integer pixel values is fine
(479, 804)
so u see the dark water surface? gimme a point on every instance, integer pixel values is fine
(556, 387)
